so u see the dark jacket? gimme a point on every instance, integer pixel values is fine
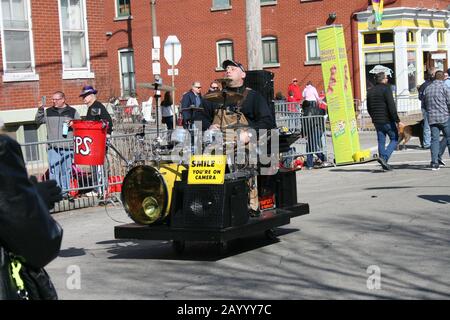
(254, 107)
(104, 114)
(187, 101)
(381, 105)
(421, 90)
(26, 227)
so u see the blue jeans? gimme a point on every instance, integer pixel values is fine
(426, 130)
(60, 167)
(389, 129)
(443, 144)
(310, 158)
(436, 129)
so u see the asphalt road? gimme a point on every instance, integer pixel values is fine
(370, 235)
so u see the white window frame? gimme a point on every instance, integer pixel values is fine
(116, 12)
(268, 3)
(308, 58)
(272, 64)
(120, 68)
(19, 76)
(218, 43)
(217, 8)
(76, 73)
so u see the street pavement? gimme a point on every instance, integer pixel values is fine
(370, 234)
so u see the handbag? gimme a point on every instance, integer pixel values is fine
(23, 282)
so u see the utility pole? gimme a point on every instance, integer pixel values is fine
(153, 4)
(253, 28)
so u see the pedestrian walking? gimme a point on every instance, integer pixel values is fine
(382, 110)
(437, 103)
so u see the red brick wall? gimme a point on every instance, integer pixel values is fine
(47, 50)
(198, 29)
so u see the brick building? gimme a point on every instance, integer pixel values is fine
(413, 37)
(212, 30)
(49, 45)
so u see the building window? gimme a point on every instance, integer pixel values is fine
(17, 40)
(411, 36)
(268, 2)
(376, 62)
(128, 81)
(221, 4)
(441, 37)
(123, 8)
(31, 136)
(370, 38)
(426, 36)
(412, 72)
(312, 48)
(386, 37)
(378, 38)
(224, 51)
(270, 50)
(74, 45)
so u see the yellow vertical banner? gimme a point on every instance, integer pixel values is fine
(338, 90)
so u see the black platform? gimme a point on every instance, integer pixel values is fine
(268, 220)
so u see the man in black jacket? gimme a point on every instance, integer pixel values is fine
(192, 98)
(254, 107)
(382, 110)
(96, 112)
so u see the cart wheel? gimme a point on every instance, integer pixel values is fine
(222, 247)
(178, 246)
(270, 234)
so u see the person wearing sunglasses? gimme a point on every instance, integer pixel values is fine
(192, 98)
(213, 87)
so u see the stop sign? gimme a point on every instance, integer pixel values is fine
(172, 50)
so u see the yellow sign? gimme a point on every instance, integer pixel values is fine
(207, 169)
(338, 89)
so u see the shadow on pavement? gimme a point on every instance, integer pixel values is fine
(194, 250)
(438, 198)
(71, 252)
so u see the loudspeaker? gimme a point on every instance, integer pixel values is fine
(210, 206)
(262, 81)
(286, 188)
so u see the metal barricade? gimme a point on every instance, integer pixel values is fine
(54, 160)
(314, 131)
(408, 109)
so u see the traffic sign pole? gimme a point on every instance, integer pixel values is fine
(173, 86)
(172, 54)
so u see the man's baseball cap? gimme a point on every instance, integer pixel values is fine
(87, 90)
(227, 63)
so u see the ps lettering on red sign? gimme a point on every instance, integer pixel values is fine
(83, 145)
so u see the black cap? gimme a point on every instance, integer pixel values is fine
(227, 63)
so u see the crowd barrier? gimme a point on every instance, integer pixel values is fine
(408, 109)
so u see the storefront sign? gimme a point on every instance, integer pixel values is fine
(438, 56)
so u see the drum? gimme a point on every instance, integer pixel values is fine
(147, 192)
